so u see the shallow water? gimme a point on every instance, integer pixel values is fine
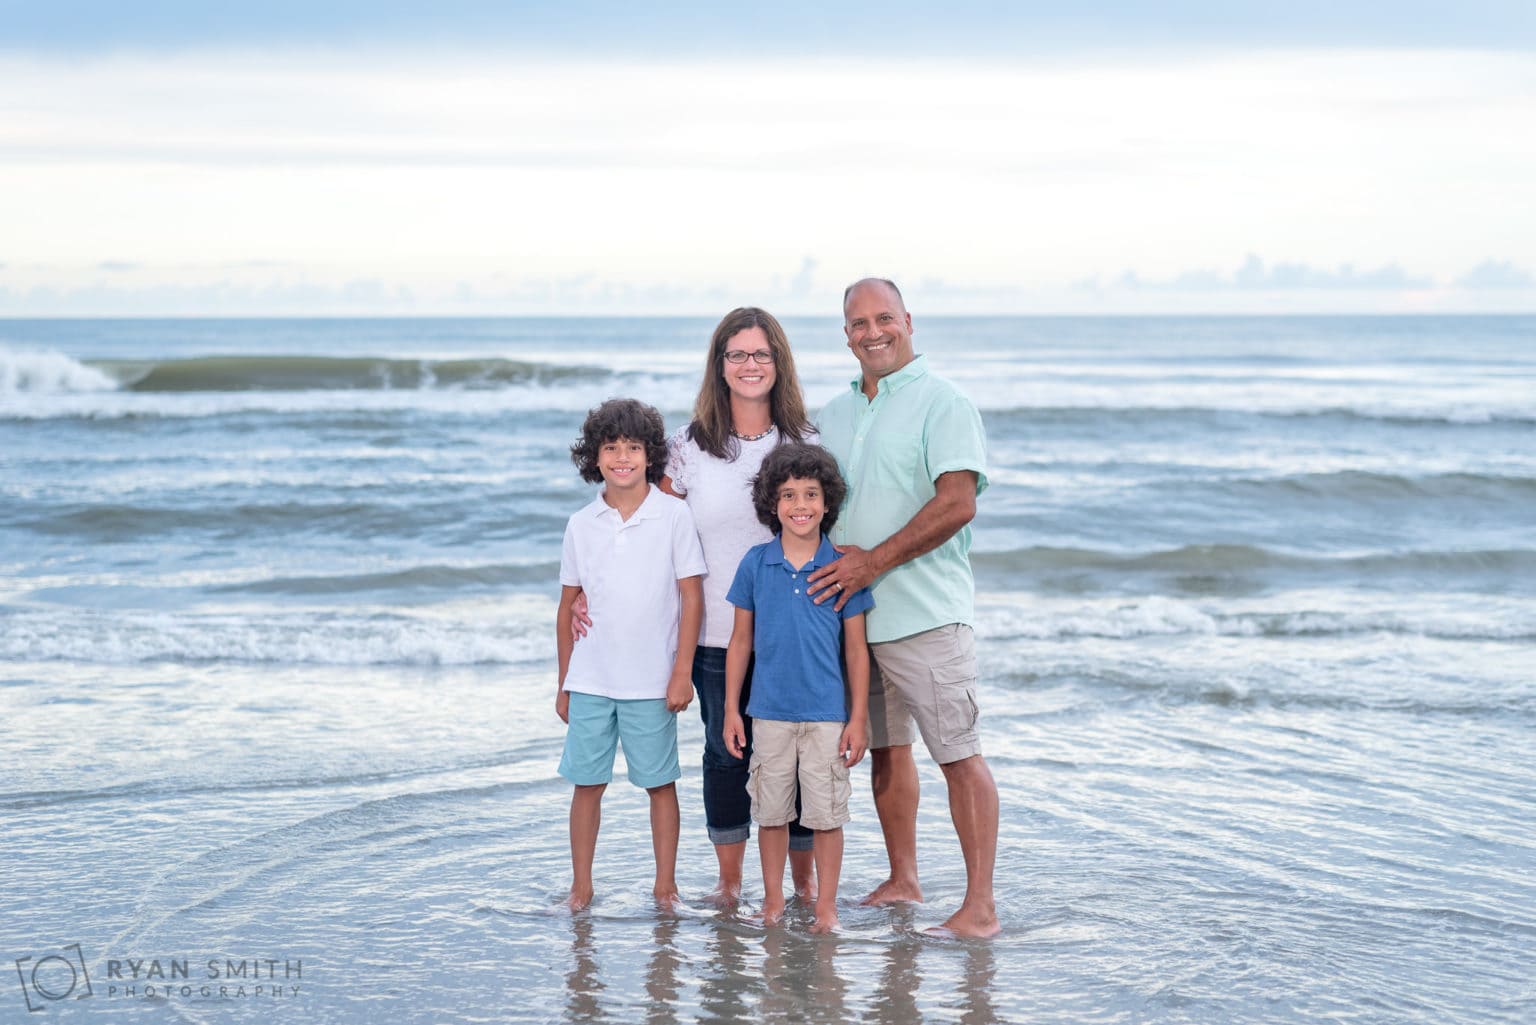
(1257, 634)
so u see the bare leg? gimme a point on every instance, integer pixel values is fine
(802, 872)
(773, 848)
(586, 817)
(973, 809)
(730, 856)
(664, 831)
(893, 777)
(829, 865)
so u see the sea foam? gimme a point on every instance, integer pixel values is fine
(1298, 614)
(49, 373)
(362, 638)
(519, 632)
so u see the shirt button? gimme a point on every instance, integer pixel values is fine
(797, 590)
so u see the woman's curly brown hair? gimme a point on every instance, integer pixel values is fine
(808, 462)
(616, 419)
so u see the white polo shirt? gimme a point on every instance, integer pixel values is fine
(629, 570)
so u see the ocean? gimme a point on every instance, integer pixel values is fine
(1256, 620)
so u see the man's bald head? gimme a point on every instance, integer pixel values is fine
(873, 282)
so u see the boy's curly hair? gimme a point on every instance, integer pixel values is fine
(621, 418)
(808, 462)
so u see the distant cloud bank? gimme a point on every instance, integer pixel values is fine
(1254, 275)
(270, 288)
(1497, 274)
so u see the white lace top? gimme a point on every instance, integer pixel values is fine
(719, 494)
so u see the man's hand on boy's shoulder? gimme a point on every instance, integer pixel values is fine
(840, 578)
(853, 743)
(679, 692)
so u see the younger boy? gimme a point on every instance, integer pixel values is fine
(634, 552)
(803, 725)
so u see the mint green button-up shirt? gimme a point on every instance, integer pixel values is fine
(891, 451)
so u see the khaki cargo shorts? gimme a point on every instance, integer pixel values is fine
(930, 678)
(784, 753)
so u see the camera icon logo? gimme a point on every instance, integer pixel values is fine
(53, 977)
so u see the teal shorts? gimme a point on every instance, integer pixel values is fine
(647, 731)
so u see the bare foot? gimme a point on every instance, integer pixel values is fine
(968, 925)
(893, 892)
(773, 912)
(824, 924)
(725, 895)
(666, 899)
(807, 895)
(579, 899)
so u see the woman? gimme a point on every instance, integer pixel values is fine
(749, 401)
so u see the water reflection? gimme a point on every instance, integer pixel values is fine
(800, 979)
(895, 999)
(661, 974)
(583, 986)
(725, 987)
(976, 985)
(777, 977)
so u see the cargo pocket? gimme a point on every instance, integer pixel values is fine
(772, 792)
(842, 790)
(954, 689)
(754, 781)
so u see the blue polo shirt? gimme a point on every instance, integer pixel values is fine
(798, 673)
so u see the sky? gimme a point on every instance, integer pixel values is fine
(476, 158)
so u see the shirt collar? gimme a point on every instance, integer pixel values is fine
(825, 553)
(897, 379)
(649, 509)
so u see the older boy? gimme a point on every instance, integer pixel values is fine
(634, 552)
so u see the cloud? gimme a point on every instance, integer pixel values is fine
(765, 177)
(1253, 275)
(112, 294)
(595, 291)
(1497, 274)
(805, 278)
(313, 294)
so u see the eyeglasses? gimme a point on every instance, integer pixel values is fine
(760, 356)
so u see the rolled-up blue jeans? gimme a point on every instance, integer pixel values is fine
(727, 808)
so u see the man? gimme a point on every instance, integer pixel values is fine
(912, 449)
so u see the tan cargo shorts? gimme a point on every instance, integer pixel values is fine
(784, 753)
(930, 678)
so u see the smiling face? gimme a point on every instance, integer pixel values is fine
(879, 331)
(801, 508)
(622, 463)
(749, 380)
